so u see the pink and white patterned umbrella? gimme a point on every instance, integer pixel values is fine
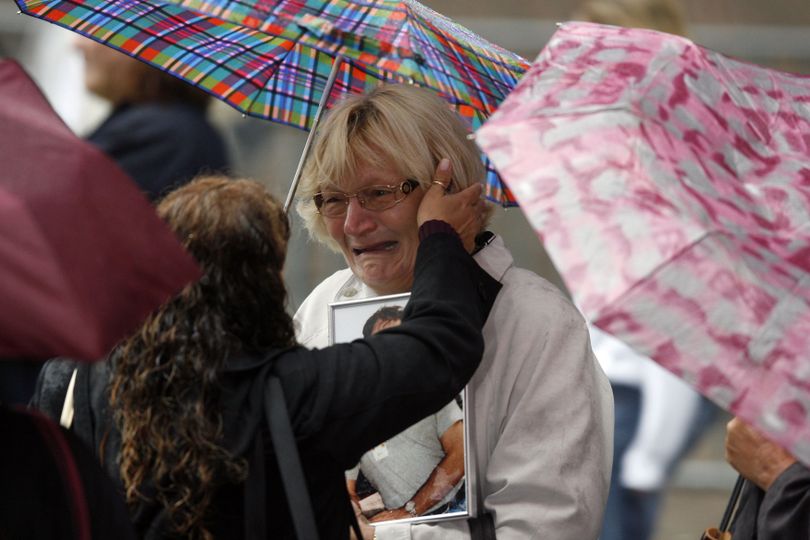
(671, 186)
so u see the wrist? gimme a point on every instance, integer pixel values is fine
(435, 226)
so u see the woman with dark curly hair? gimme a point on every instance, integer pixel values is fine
(177, 413)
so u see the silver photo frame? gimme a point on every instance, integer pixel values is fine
(385, 478)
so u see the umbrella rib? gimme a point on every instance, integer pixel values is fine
(650, 274)
(272, 75)
(321, 107)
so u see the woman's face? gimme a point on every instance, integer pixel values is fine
(379, 247)
(108, 73)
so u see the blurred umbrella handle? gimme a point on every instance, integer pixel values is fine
(721, 532)
(731, 508)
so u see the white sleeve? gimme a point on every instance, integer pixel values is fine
(353, 473)
(448, 416)
(668, 410)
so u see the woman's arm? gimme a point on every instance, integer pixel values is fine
(356, 395)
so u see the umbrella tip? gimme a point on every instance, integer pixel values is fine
(470, 136)
(558, 24)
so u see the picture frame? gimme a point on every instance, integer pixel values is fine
(378, 478)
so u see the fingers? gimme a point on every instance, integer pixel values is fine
(469, 196)
(444, 174)
(464, 210)
(441, 180)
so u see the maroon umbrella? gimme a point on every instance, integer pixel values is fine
(83, 255)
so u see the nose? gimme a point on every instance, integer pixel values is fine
(358, 220)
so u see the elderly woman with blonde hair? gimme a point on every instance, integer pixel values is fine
(540, 409)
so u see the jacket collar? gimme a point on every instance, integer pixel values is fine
(494, 258)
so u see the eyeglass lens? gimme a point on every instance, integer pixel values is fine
(376, 198)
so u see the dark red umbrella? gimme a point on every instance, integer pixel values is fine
(83, 255)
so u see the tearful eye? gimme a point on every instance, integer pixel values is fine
(333, 199)
(378, 192)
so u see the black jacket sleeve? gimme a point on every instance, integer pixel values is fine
(347, 398)
(785, 510)
(781, 513)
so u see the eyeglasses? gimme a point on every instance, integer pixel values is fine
(333, 204)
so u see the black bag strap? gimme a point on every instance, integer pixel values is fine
(256, 493)
(482, 527)
(353, 522)
(289, 464)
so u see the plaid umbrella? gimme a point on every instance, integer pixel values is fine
(671, 187)
(273, 59)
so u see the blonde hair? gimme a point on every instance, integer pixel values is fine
(401, 126)
(663, 15)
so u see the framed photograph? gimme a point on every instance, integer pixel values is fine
(421, 458)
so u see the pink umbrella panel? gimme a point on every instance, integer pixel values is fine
(671, 186)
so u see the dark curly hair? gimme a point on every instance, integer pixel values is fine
(164, 388)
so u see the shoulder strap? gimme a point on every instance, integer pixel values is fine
(289, 464)
(482, 527)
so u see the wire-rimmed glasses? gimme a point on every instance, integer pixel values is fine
(333, 204)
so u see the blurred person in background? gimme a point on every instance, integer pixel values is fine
(662, 15)
(52, 486)
(157, 130)
(658, 416)
(539, 407)
(775, 502)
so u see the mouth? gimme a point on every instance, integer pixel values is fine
(380, 247)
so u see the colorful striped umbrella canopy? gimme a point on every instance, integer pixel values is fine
(670, 185)
(271, 59)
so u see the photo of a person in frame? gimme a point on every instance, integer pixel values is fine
(420, 471)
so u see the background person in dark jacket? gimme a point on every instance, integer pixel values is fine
(182, 430)
(52, 487)
(157, 130)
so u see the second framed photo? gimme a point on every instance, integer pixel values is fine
(427, 461)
